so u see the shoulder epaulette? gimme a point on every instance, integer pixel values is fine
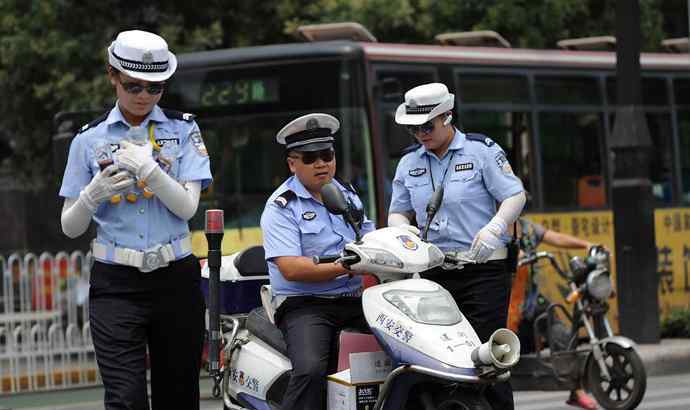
(480, 138)
(283, 199)
(93, 123)
(347, 185)
(178, 115)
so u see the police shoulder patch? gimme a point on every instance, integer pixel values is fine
(309, 215)
(503, 164)
(198, 142)
(480, 138)
(283, 199)
(93, 123)
(179, 115)
(416, 172)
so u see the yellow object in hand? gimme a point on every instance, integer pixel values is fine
(148, 193)
(116, 199)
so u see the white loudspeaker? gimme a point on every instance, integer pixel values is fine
(502, 351)
(448, 119)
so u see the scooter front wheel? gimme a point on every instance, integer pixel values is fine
(463, 399)
(628, 381)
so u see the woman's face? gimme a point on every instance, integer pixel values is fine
(136, 97)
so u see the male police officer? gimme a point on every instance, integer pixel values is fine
(314, 301)
(475, 175)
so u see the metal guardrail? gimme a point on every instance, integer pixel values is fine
(45, 339)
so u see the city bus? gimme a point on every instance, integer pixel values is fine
(552, 111)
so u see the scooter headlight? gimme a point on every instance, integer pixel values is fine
(599, 284)
(383, 257)
(431, 308)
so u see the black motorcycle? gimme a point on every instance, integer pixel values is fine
(607, 365)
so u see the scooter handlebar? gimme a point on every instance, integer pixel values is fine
(325, 259)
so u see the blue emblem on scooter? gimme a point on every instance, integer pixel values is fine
(408, 243)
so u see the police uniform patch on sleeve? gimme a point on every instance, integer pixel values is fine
(309, 215)
(283, 199)
(503, 163)
(417, 172)
(198, 143)
(464, 167)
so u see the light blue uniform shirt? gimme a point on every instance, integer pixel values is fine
(146, 222)
(304, 227)
(478, 176)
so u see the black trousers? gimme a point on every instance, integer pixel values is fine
(163, 309)
(483, 293)
(310, 326)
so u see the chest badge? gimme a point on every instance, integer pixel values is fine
(408, 243)
(467, 166)
(417, 172)
(309, 215)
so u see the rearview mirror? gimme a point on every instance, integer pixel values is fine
(333, 199)
(335, 202)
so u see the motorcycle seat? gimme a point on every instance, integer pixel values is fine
(251, 262)
(260, 326)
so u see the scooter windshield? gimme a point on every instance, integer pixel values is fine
(428, 307)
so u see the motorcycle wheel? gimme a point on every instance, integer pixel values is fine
(628, 378)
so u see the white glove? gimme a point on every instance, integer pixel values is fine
(401, 220)
(411, 228)
(137, 159)
(487, 240)
(105, 184)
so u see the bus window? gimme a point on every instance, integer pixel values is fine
(240, 110)
(661, 159)
(492, 88)
(654, 91)
(563, 90)
(681, 87)
(684, 143)
(510, 130)
(571, 160)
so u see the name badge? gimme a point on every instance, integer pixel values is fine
(464, 167)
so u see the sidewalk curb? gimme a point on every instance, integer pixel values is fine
(671, 356)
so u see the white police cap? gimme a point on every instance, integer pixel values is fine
(311, 132)
(423, 103)
(142, 55)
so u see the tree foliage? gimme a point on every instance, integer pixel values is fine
(52, 53)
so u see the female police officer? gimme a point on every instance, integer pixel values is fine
(314, 301)
(475, 175)
(144, 282)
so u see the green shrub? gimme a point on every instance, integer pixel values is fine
(677, 324)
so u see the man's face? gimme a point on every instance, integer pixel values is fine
(431, 134)
(137, 97)
(313, 168)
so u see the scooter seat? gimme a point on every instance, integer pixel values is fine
(260, 326)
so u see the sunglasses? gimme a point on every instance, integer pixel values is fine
(309, 157)
(425, 128)
(136, 88)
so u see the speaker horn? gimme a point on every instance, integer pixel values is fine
(502, 351)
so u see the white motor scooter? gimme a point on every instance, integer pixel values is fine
(437, 357)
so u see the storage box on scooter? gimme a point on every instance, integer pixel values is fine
(241, 277)
(357, 388)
